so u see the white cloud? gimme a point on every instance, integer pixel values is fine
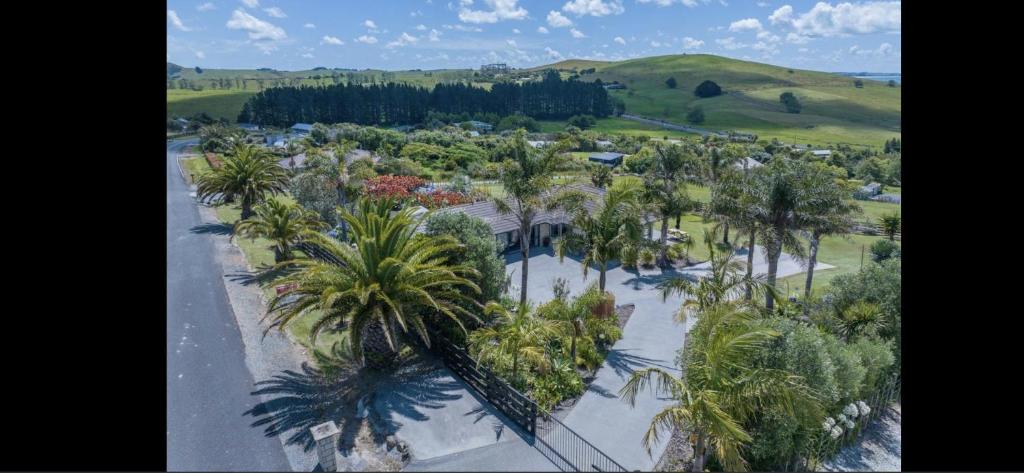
(542, 30)
(416, 13)
(370, 24)
(593, 7)
(200, 55)
(768, 49)
(471, 29)
(309, 25)
(558, 20)
(511, 42)
(173, 16)
(552, 54)
(690, 43)
(516, 30)
(730, 43)
(884, 49)
(251, 3)
(435, 35)
(206, 7)
(275, 12)
(618, 39)
(747, 24)
(766, 35)
(843, 19)
(307, 55)
(257, 28)
(366, 39)
(665, 3)
(577, 33)
(500, 10)
(403, 40)
(421, 27)
(332, 40)
(783, 14)
(655, 44)
(762, 4)
(794, 38)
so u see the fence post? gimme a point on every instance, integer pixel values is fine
(326, 437)
(533, 419)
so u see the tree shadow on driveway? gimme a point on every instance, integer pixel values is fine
(212, 228)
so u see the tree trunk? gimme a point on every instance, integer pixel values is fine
(679, 216)
(524, 246)
(812, 260)
(699, 454)
(279, 255)
(572, 350)
(246, 209)
(663, 251)
(515, 363)
(650, 230)
(377, 353)
(725, 232)
(601, 278)
(750, 263)
(774, 252)
(344, 224)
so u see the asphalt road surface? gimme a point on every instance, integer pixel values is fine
(208, 384)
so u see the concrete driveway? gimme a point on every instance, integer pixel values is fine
(652, 337)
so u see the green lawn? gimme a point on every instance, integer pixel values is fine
(194, 166)
(216, 103)
(618, 126)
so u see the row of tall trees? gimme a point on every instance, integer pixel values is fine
(392, 103)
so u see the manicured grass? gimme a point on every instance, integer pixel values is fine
(614, 125)
(196, 166)
(844, 254)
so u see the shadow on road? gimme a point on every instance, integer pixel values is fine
(212, 228)
(625, 364)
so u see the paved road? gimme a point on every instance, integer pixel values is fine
(670, 125)
(208, 384)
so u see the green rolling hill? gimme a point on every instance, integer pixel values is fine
(834, 110)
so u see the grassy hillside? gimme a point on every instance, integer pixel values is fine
(834, 111)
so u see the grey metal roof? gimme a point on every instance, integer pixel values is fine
(748, 163)
(822, 152)
(606, 156)
(302, 126)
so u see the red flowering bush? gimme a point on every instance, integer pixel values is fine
(440, 198)
(398, 187)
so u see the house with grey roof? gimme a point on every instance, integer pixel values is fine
(547, 225)
(748, 163)
(822, 153)
(302, 128)
(606, 158)
(480, 126)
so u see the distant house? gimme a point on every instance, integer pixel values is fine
(302, 128)
(294, 162)
(868, 191)
(480, 126)
(608, 159)
(822, 153)
(474, 133)
(276, 140)
(249, 127)
(403, 128)
(614, 86)
(603, 143)
(748, 163)
(538, 143)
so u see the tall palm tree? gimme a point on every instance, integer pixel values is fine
(833, 214)
(389, 277)
(282, 223)
(514, 335)
(672, 164)
(719, 162)
(572, 317)
(529, 189)
(891, 224)
(217, 138)
(247, 175)
(782, 198)
(600, 234)
(720, 285)
(721, 387)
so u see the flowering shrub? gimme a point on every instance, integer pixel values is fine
(863, 407)
(441, 198)
(828, 424)
(851, 410)
(398, 187)
(836, 432)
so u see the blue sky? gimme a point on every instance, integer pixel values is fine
(437, 34)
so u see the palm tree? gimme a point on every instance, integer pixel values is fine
(572, 317)
(515, 335)
(859, 318)
(721, 388)
(891, 224)
(719, 286)
(665, 188)
(782, 198)
(600, 234)
(217, 138)
(248, 175)
(282, 223)
(389, 277)
(529, 188)
(832, 215)
(719, 162)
